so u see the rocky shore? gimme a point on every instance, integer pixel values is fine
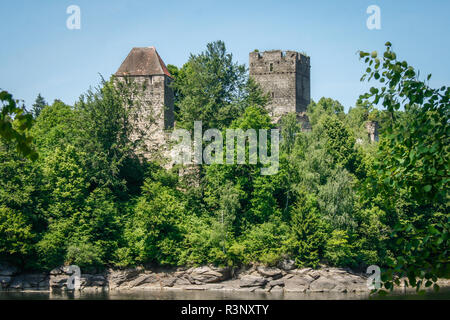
(285, 278)
(255, 279)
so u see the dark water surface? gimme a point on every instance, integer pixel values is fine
(443, 294)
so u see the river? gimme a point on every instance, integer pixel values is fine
(443, 294)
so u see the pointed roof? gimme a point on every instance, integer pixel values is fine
(143, 62)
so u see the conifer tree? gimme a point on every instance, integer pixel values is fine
(308, 231)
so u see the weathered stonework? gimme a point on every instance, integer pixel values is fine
(285, 76)
(145, 68)
(372, 130)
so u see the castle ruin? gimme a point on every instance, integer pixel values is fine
(145, 67)
(372, 131)
(285, 76)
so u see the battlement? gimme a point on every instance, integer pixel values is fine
(279, 54)
(278, 61)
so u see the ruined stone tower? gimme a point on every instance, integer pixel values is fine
(285, 76)
(145, 66)
(372, 131)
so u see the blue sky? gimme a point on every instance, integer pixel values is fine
(38, 54)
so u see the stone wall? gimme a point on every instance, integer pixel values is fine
(155, 114)
(285, 76)
(372, 131)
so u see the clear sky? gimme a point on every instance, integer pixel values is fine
(39, 54)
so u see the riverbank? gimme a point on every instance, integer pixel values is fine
(258, 279)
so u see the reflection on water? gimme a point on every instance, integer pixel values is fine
(211, 295)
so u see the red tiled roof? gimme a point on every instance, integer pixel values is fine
(143, 62)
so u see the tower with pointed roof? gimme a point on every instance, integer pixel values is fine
(145, 67)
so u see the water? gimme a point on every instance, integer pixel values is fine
(443, 294)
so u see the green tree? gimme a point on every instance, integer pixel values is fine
(77, 217)
(20, 205)
(15, 124)
(267, 243)
(106, 117)
(209, 85)
(339, 250)
(412, 168)
(38, 105)
(16, 236)
(256, 192)
(55, 127)
(177, 75)
(339, 143)
(154, 233)
(308, 231)
(324, 106)
(228, 208)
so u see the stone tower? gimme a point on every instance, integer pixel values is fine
(372, 131)
(145, 66)
(285, 76)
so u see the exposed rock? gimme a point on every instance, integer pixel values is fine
(276, 289)
(168, 281)
(301, 272)
(286, 265)
(274, 273)
(182, 282)
(337, 271)
(117, 277)
(288, 276)
(5, 281)
(252, 281)
(214, 286)
(274, 283)
(247, 289)
(58, 282)
(59, 277)
(297, 283)
(353, 283)
(7, 270)
(144, 280)
(60, 270)
(322, 284)
(231, 284)
(314, 274)
(93, 281)
(209, 274)
(30, 282)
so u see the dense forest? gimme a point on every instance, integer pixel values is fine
(73, 191)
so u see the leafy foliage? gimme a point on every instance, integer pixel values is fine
(308, 230)
(38, 105)
(209, 87)
(15, 124)
(337, 199)
(412, 167)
